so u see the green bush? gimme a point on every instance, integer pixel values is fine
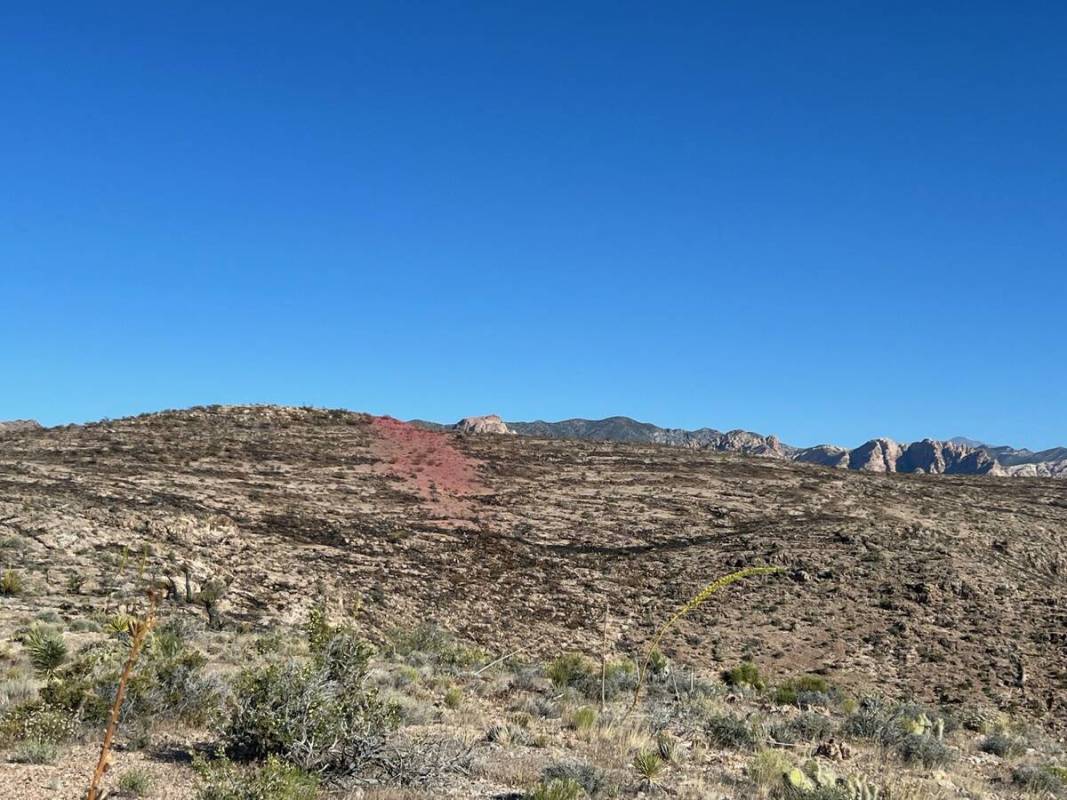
(806, 727)
(592, 779)
(804, 691)
(273, 780)
(768, 766)
(34, 751)
(726, 731)
(37, 721)
(428, 643)
(168, 684)
(1041, 779)
(1003, 744)
(15, 689)
(558, 789)
(453, 698)
(916, 748)
(569, 670)
(320, 715)
(744, 674)
(582, 719)
(135, 783)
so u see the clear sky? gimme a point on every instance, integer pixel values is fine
(829, 221)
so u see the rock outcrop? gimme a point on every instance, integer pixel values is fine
(15, 425)
(491, 423)
(828, 455)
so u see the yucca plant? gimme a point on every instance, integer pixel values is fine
(46, 649)
(697, 600)
(649, 766)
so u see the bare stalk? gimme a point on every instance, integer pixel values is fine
(140, 631)
(698, 599)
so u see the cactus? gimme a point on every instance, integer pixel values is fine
(797, 782)
(822, 775)
(859, 788)
(918, 726)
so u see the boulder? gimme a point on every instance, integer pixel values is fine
(490, 423)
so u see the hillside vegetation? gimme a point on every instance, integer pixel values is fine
(467, 613)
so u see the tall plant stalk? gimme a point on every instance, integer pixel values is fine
(139, 630)
(697, 600)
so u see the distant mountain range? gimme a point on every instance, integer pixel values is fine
(959, 456)
(956, 456)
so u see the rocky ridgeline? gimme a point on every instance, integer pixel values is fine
(16, 425)
(929, 456)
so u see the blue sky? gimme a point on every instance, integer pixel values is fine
(829, 221)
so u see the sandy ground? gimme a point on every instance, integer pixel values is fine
(68, 778)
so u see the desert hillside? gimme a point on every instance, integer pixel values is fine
(941, 587)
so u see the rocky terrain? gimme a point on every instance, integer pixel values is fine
(958, 456)
(950, 591)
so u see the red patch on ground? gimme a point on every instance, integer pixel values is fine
(430, 466)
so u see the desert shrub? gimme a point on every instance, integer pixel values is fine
(11, 583)
(220, 779)
(724, 730)
(506, 733)
(977, 719)
(37, 721)
(867, 722)
(453, 698)
(135, 783)
(806, 727)
(423, 761)
(34, 751)
(46, 649)
(168, 685)
(590, 778)
(1041, 779)
(744, 674)
(658, 663)
(582, 719)
(428, 643)
(619, 677)
(557, 789)
(15, 689)
(913, 733)
(804, 691)
(1003, 744)
(569, 670)
(319, 715)
(768, 766)
(922, 748)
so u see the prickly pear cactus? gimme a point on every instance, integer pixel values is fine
(859, 788)
(798, 782)
(822, 775)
